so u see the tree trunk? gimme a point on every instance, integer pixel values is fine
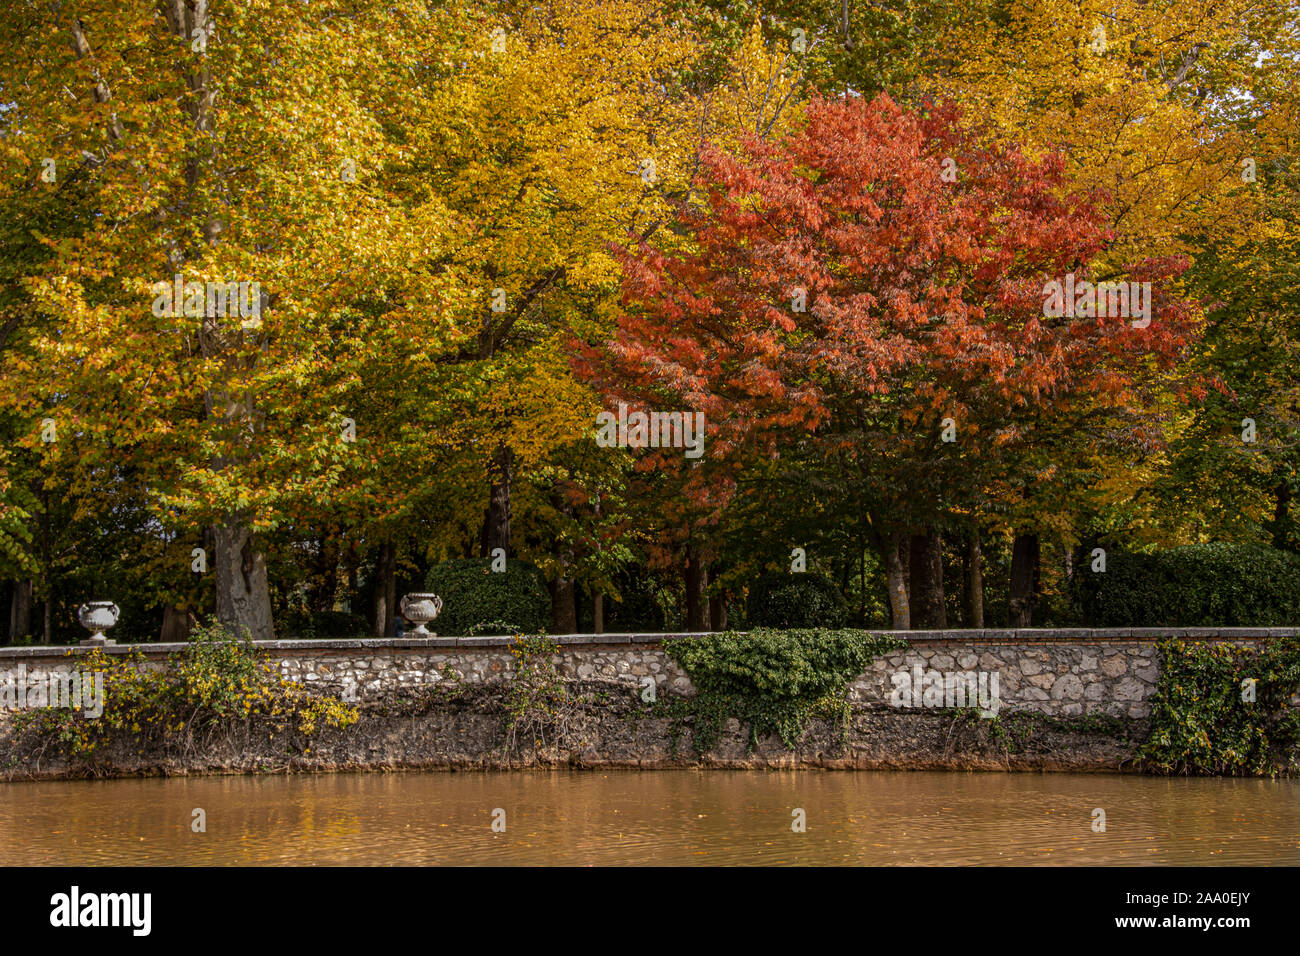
(899, 607)
(598, 613)
(862, 581)
(353, 566)
(696, 582)
(564, 606)
(20, 610)
(327, 572)
(717, 609)
(496, 520)
(580, 600)
(243, 596)
(384, 591)
(1024, 580)
(175, 625)
(973, 582)
(243, 592)
(1281, 537)
(46, 564)
(564, 593)
(928, 610)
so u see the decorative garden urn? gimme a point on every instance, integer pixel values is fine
(420, 609)
(97, 617)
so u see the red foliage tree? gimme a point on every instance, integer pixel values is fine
(920, 256)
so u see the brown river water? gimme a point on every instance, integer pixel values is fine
(653, 817)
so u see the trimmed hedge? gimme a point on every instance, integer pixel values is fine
(1199, 585)
(805, 600)
(516, 599)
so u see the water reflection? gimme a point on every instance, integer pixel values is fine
(665, 818)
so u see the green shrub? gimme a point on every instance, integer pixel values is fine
(515, 600)
(796, 600)
(1203, 585)
(772, 680)
(1203, 720)
(645, 605)
(323, 624)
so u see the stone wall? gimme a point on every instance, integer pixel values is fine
(1058, 680)
(371, 673)
(1074, 701)
(1056, 673)
(1062, 680)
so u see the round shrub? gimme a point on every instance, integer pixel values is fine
(515, 600)
(796, 600)
(1199, 585)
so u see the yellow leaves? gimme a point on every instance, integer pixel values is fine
(759, 97)
(1111, 85)
(547, 140)
(536, 405)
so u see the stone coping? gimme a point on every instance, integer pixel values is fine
(1144, 635)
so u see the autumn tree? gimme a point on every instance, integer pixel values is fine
(849, 45)
(843, 291)
(235, 148)
(1236, 466)
(567, 127)
(1157, 105)
(552, 133)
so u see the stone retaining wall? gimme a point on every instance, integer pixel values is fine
(1060, 673)
(1075, 701)
(1058, 680)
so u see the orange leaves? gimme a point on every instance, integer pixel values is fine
(835, 277)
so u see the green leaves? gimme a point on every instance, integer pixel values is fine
(473, 594)
(772, 680)
(1200, 585)
(1208, 718)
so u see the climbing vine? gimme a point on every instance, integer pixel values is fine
(773, 681)
(1223, 708)
(218, 680)
(537, 702)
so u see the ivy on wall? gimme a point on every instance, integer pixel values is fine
(1223, 708)
(774, 681)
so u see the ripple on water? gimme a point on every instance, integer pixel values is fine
(680, 818)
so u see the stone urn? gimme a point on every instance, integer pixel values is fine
(97, 617)
(420, 609)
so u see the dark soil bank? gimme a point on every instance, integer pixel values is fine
(601, 725)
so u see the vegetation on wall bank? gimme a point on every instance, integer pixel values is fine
(217, 682)
(1224, 709)
(773, 681)
(1219, 708)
